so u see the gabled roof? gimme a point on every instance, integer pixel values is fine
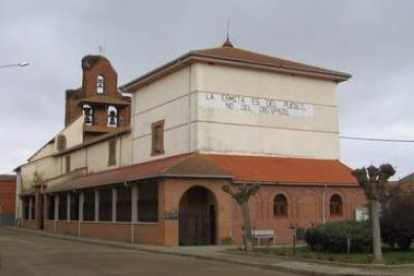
(265, 170)
(408, 179)
(236, 57)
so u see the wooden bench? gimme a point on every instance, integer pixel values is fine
(263, 234)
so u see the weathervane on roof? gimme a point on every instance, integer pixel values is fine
(228, 43)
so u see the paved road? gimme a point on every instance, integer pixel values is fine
(25, 254)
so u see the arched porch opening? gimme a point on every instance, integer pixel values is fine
(197, 217)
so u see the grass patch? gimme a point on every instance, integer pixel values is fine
(391, 257)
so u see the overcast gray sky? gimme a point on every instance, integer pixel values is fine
(371, 39)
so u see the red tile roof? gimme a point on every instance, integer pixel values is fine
(285, 170)
(239, 168)
(241, 55)
(236, 57)
(135, 172)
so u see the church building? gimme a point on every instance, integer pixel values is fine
(146, 162)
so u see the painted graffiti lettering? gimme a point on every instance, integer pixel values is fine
(255, 105)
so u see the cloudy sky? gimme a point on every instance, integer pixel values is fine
(373, 40)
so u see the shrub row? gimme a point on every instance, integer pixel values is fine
(332, 237)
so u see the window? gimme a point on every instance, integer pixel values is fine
(336, 205)
(33, 208)
(25, 201)
(112, 152)
(63, 203)
(100, 84)
(112, 116)
(123, 204)
(280, 206)
(157, 138)
(89, 205)
(51, 207)
(148, 202)
(105, 204)
(61, 143)
(88, 114)
(74, 206)
(67, 163)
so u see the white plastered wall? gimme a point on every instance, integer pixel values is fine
(166, 99)
(73, 133)
(236, 131)
(46, 168)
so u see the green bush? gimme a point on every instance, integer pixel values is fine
(397, 221)
(332, 237)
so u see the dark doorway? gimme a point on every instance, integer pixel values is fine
(197, 217)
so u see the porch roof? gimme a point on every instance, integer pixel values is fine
(285, 170)
(188, 165)
(261, 169)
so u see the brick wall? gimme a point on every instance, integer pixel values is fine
(30, 224)
(305, 209)
(307, 206)
(148, 233)
(67, 227)
(8, 194)
(107, 231)
(92, 67)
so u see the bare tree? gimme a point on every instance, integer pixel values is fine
(242, 196)
(373, 181)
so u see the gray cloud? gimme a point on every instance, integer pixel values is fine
(370, 39)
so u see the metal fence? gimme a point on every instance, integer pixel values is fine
(195, 230)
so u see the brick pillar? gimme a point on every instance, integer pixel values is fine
(46, 203)
(114, 200)
(134, 210)
(56, 213)
(30, 217)
(134, 203)
(96, 205)
(80, 219)
(81, 202)
(38, 209)
(68, 199)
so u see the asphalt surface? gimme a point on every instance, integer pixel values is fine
(25, 254)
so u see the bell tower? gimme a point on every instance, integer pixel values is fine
(104, 108)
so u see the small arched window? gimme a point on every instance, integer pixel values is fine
(280, 206)
(61, 143)
(112, 116)
(88, 113)
(100, 84)
(336, 205)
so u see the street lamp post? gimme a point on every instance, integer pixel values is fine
(21, 64)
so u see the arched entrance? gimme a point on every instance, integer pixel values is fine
(197, 217)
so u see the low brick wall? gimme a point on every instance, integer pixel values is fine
(49, 226)
(148, 233)
(107, 231)
(67, 227)
(31, 224)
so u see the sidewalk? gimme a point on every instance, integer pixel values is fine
(220, 253)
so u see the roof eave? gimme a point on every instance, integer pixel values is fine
(192, 57)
